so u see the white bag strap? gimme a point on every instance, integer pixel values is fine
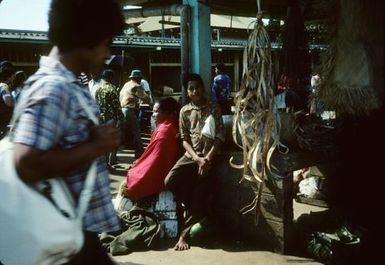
(89, 183)
(86, 193)
(86, 107)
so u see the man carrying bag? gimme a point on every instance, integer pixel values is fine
(55, 137)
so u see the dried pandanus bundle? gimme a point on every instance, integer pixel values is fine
(348, 67)
(256, 121)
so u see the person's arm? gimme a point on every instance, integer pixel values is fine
(33, 164)
(214, 150)
(43, 125)
(184, 126)
(190, 150)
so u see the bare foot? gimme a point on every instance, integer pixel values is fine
(181, 244)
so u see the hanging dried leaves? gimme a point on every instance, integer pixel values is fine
(256, 121)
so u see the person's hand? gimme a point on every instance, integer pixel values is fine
(204, 165)
(105, 137)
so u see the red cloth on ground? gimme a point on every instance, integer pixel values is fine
(146, 176)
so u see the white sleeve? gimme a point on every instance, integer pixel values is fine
(145, 85)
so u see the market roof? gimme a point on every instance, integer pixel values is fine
(218, 21)
(277, 9)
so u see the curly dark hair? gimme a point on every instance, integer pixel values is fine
(83, 23)
(220, 66)
(193, 77)
(6, 70)
(169, 105)
(108, 75)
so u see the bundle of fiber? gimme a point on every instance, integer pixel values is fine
(350, 66)
(256, 121)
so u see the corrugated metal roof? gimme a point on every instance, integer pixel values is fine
(218, 21)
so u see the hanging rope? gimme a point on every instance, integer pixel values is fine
(258, 6)
(256, 121)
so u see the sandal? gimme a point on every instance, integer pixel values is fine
(347, 237)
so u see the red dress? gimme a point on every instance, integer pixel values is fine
(146, 176)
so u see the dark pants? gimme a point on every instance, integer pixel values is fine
(132, 130)
(225, 106)
(92, 252)
(191, 189)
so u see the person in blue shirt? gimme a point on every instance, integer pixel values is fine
(221, 88)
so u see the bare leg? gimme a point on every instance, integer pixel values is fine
(186, 221)
(186, 188)
(182, 243)
(181, 213)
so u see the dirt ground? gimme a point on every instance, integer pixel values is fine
(221, 253)
(212, 256)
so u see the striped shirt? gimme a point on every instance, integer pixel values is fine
(53, 118)
(83, 79)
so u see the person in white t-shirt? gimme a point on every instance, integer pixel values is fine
(94, 84)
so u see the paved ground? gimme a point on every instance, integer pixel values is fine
(221, 253)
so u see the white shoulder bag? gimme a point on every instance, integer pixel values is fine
(208, 129)
(40, 223)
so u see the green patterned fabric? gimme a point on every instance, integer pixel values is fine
(108, 100)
